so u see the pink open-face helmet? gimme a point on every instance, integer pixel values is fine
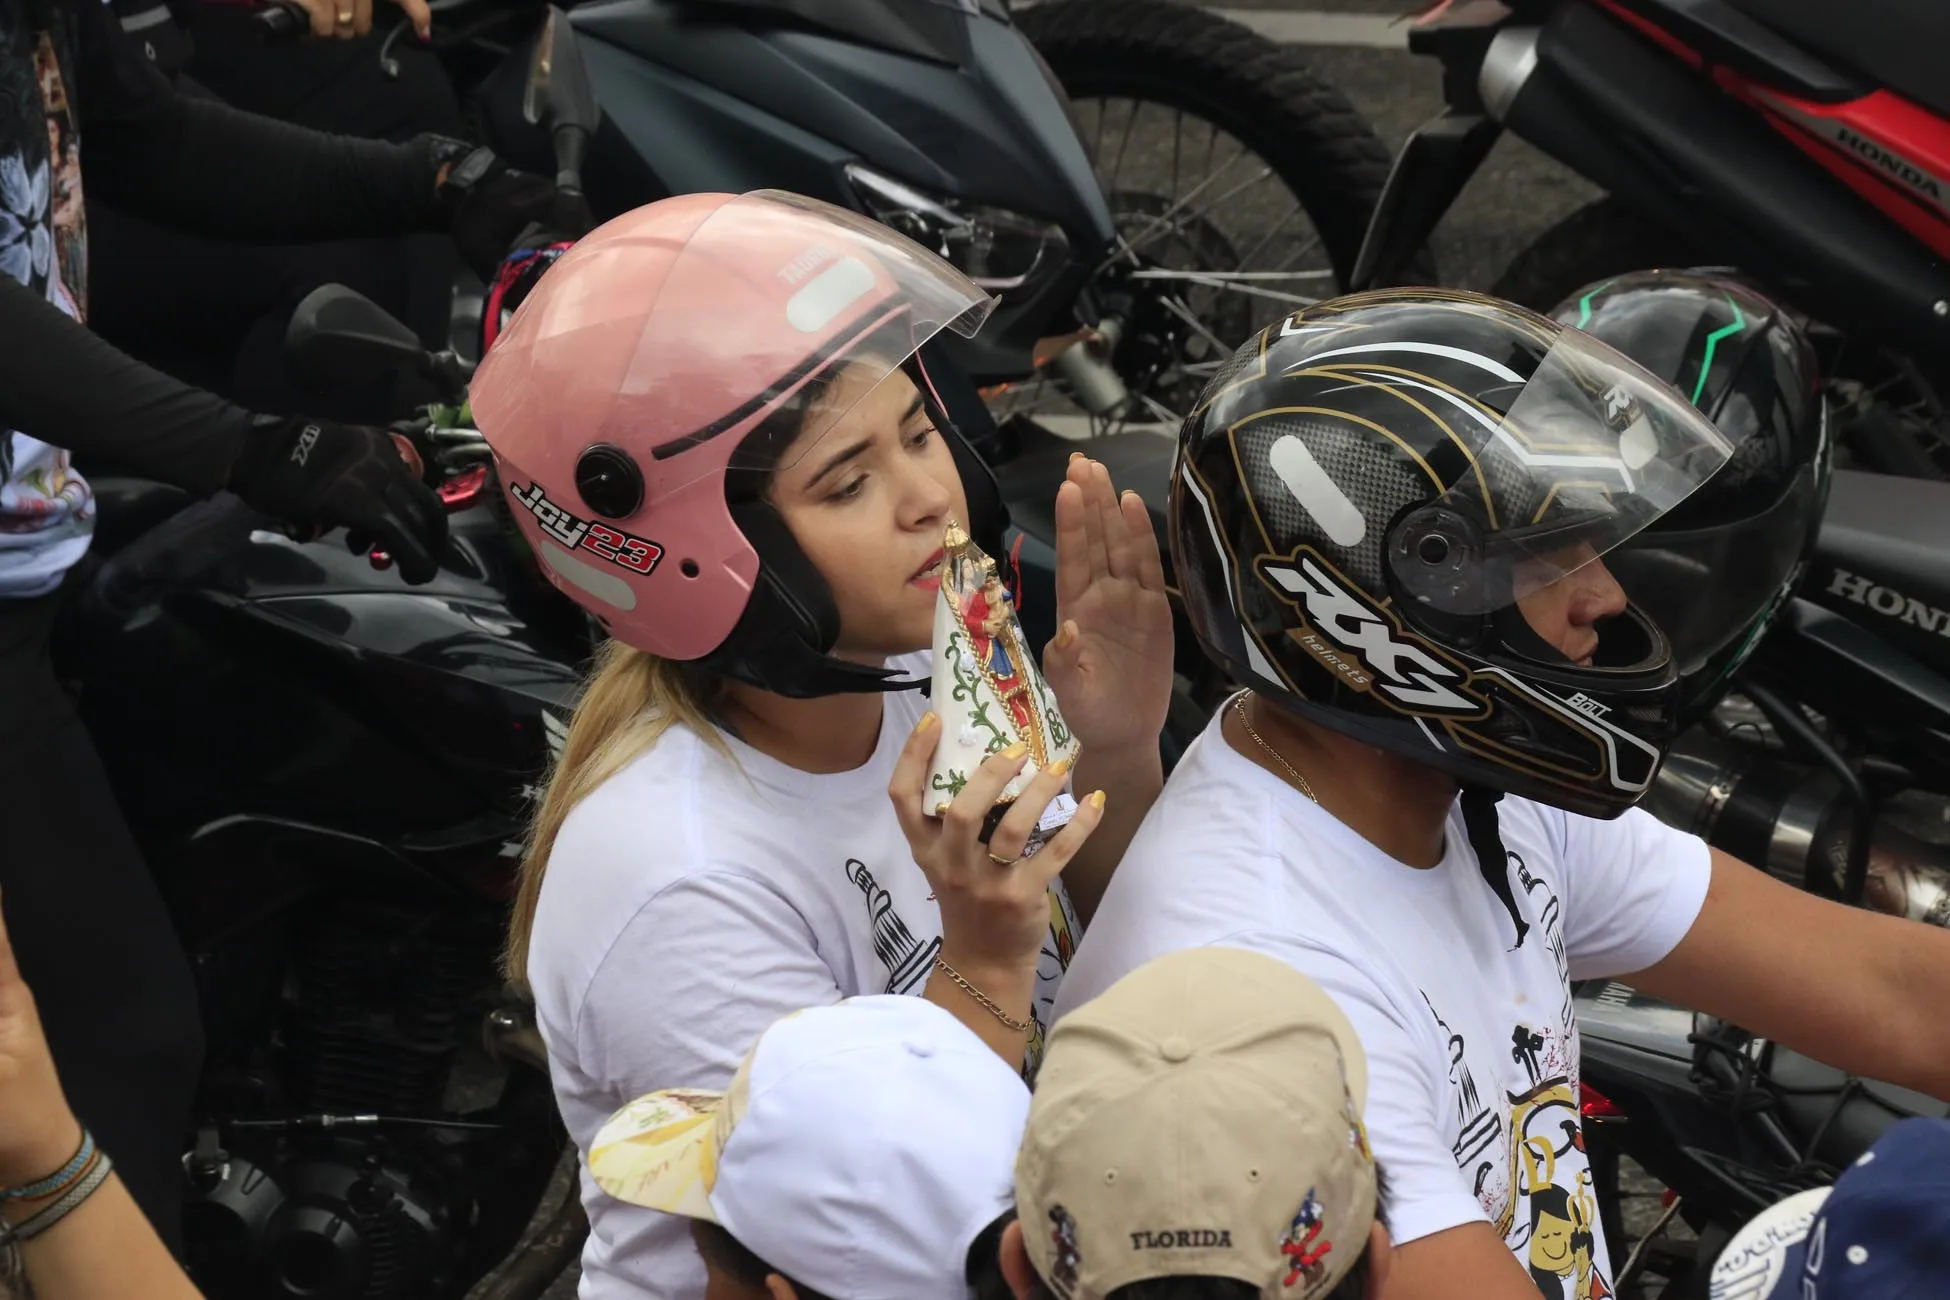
(661, 370)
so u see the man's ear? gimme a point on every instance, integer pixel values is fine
(778, 1288)
(1381, 1254)
(1017, 1271)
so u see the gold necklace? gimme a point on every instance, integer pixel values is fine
(1239, 707)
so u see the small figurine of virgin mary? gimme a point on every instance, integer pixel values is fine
(987, 688)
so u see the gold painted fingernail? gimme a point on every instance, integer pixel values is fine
(1061, 767)
(1016, 750)
(1097, 799)
(928, 719)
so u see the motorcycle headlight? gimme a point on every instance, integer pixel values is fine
(999, 250)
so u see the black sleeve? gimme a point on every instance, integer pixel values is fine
(62, 384)
(203, 167)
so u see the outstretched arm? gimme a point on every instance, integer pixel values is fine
(1862, 991)
(62, 384)
(199, 165)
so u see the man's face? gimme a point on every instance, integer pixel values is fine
(1566, 612)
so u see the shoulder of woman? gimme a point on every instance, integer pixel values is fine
(643, 820)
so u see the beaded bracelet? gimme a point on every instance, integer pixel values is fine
(55, 1181)
(42, 1220)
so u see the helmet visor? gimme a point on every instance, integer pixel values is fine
(1747, 564)
(778, 318)
(1587, 453)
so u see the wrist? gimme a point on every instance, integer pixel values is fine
(1007, 980)
(47, 1153)
(1125, 772)
(990, 996)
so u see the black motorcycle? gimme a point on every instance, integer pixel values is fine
(1196, 182)
(1829, 767)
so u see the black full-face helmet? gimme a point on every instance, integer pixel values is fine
(1718, 569)
(1372, 502)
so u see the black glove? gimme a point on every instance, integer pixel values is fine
(319, 474)
(489, 205)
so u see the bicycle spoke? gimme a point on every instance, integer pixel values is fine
(1247, 260)
(1184, 313)
(1151, 232)
(1128, 247)
(1177, 136)
(1216, 282)
(1124, 146)
(1160, 410)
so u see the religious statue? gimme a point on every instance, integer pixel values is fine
(987, 688)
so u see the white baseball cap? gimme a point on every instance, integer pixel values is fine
(860, 1149)
(1755, 1260)
(1201, 1117)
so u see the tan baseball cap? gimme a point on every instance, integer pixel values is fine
(1201, 1118)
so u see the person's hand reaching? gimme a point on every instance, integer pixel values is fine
(318, 474)
(491, 208)
(38, 1133)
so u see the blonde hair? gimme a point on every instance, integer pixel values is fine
(631, 699)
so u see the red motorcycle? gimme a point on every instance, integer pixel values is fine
(1804, 142)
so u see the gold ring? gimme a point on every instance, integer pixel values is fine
(1004, 862)
(345, 17)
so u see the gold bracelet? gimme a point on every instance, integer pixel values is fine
(988, 1003)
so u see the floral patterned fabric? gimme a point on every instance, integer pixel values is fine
(46, 509)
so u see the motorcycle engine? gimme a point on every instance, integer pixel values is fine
(1730, 784)
(354, 1184)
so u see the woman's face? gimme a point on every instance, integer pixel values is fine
(1566, 613)
(867, 503)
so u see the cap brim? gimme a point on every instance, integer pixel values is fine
(661, 1152)
(1768, 1249)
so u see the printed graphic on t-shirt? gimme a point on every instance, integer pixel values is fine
(68, 286)
(906, 958)
(1058, 947)
(909, 961)
(1522, 1150)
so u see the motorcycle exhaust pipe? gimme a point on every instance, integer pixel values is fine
(1600, 98)
(1794, 822)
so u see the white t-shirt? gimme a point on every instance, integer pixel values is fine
(1472, 1049)
(690, 902)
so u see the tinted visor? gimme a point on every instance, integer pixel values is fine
(1588, 453)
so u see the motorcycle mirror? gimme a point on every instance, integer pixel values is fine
(559, 90)
(558, 80)
(338, 334)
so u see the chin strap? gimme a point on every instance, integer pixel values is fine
(790, 667)
(1492, 859)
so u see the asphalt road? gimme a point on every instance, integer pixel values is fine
(1518, 194)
